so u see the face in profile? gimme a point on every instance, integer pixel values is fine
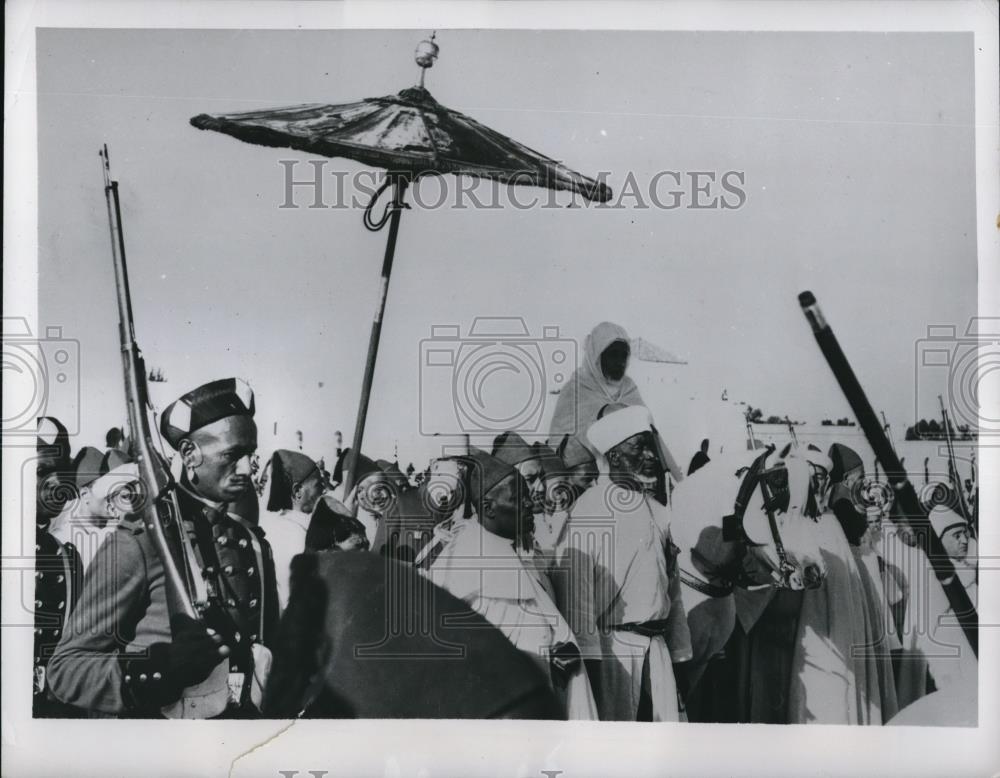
(508, 510)
(633, 462)
(308, 492)
(534, 476)
(218, 458)
(583, 476)
(444, 485)
(376, 493)
(956, 543)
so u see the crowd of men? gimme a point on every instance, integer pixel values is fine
(562, 550)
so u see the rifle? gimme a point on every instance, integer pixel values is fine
(956, 481)
(906, 497)
(160, 511)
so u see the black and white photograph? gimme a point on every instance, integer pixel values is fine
(596, 385)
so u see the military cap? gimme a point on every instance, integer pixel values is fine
(87, 466)
(486, 471)
(511, 448)
(844, 460)
(552, 463)
(52, 443)
(205, 405)
(573, 452)
(114, 459)
(287, 469)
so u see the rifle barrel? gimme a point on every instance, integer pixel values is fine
(906, 496)
(156, 480)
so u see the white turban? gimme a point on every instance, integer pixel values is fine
(607, 432)
(944, 518)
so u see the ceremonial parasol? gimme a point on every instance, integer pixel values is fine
(409, 134)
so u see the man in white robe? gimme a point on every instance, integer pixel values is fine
(617, 581)
(938, 673)
(821, 656)
(568, 473)
(601, 380)
(296, 485)
(481, 563)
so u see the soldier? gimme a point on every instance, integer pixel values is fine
(412, 520)
(57, 565)
(125, 654)
(100, 497)
(297, 484)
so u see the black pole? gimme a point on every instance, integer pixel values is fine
(906, 498)
(366, 382)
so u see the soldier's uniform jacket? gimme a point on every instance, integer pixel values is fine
(58, 577)
(123, 605)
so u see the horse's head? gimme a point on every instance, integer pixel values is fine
(779, 523)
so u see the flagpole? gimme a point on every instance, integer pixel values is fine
(400, 183)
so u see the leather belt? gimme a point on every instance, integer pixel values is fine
(649, 629)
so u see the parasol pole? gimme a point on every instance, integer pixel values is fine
(906, 497)
(399, 183)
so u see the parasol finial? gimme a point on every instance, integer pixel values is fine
(425, 54)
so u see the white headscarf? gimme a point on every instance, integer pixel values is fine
(589, 389)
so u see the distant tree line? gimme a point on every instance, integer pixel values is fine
(933, 430)
(844, 422)
(756, 416)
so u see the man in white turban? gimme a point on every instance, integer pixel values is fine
(617, 580)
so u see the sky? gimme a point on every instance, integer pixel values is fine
(857, 155)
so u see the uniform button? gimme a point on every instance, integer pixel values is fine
(157, 677)
(55, 633)
(208, 571)
(233, 669)
(253, 603)
(37, 547)
(231, 602)
(60, 578)
(228, 569)
(38, 631)
(38, 603)
(253, 638)
(244, 543)
(222, 540)
(237, 636)
(128, 679)
(250, 571)
(39, 575)
(142, 677)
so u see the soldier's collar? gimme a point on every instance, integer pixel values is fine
(215, 506)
